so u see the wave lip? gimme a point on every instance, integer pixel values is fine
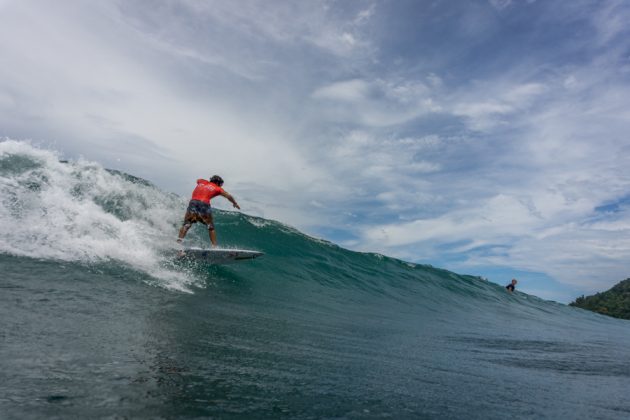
(310, 330)
(80, 211)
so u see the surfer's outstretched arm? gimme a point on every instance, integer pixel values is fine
(232, 200)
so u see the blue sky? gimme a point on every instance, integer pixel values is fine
(485, 137)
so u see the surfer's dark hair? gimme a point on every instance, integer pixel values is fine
(216, 179)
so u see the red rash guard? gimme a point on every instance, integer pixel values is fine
(206, 190)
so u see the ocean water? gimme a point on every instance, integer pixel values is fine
(98, 320)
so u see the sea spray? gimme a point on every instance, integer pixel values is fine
(79, 211)
(91, 326)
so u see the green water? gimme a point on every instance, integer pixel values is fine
(98, 320)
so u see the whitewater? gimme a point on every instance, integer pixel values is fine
(98, 320)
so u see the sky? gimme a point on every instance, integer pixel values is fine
(487, 137)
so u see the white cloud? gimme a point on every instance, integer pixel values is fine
(486, 105)
(611, 21)
(558, 147)
(289, 23)
(93, 87)
(349, 90)
(505, 216)
(365, 15)
(500, 4)
(454, 143)
(376, 103)
(580, 254)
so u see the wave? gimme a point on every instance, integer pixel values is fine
(91, 290)
(81, 212)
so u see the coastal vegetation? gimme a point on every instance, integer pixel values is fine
(614, 302)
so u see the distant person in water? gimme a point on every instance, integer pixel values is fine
(510, 287)
(199, 209)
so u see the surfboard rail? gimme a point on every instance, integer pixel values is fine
(218, 255)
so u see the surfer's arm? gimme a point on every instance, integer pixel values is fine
(232, 200)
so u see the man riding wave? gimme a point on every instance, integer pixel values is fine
(199, 209)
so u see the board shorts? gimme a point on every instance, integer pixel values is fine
(199, 208)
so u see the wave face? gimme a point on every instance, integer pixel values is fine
(99, 319)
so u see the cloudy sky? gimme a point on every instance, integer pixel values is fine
(489, 137)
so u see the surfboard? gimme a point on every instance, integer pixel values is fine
(219, 255)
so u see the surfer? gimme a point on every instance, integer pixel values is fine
(199, 209)
(510, 287)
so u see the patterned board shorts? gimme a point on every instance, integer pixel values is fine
(199, 207)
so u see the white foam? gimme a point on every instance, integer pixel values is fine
(259, 223)
(55, 210)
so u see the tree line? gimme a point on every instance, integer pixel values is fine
(613, 302)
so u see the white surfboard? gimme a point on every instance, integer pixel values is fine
(219, 255)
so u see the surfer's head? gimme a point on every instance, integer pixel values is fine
(216, 179)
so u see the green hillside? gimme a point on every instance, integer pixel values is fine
(614, 302)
